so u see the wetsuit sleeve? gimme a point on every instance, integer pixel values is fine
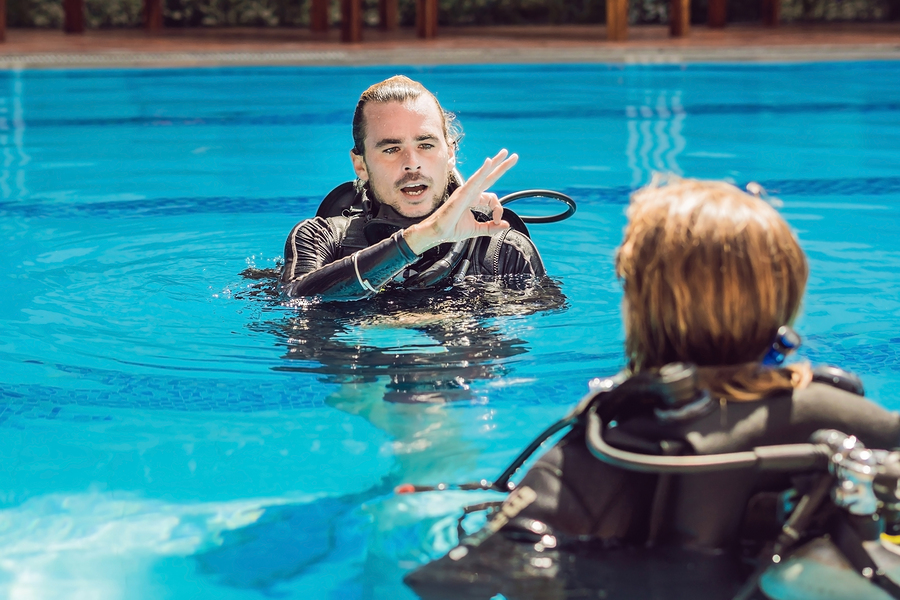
(313, 267)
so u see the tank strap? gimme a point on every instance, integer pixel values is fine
(340, 201)
(659, 509)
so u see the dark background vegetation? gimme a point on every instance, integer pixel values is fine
(295, 13)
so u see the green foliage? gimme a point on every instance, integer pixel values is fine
(97, 13)
(295, 13)
(500, 12)
(648, 11)
(834, 10)
(117, 13)
(34, 13)
(217, 13)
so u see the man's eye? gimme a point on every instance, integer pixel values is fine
(426, 146)
(391, 150)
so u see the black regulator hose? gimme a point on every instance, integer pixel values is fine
(502, 483)
(567, 200)
(449, 261)
(440, 269)
(784, 457)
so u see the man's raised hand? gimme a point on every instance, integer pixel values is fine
(453, 221)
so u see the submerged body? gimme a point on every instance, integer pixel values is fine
(404, 156)
(331, 257)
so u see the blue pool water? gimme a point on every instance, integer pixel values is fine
(170, 431)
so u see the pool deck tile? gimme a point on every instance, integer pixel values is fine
(35, 48)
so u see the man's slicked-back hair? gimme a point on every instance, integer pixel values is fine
(399, 89)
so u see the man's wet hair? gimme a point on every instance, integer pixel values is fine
(399, 89)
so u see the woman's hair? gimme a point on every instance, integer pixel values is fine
(710, 273)
(399, 89)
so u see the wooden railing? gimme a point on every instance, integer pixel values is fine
(426, 17)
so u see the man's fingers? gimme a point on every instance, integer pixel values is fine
(486, 201)
(490, 228)
(472, 193)
(499, 170)
(498, 215)
(478, 178)
(489, 203)
(484, 177)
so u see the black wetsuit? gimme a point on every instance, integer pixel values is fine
(590, 530)
(580, 496)
(319, 256)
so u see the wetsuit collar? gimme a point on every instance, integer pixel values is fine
(385, 222)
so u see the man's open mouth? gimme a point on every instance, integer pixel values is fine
(414, 190)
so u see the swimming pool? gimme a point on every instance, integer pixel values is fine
(168, 431)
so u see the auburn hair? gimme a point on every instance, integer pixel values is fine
(709, 275)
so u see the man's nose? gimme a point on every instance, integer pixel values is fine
(411, 161)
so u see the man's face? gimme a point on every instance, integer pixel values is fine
(406, 158)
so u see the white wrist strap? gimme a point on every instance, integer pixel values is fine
(363, 282)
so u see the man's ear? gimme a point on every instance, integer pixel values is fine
(359, 165)
(452, 160)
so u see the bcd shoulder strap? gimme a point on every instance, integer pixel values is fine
(339, 201)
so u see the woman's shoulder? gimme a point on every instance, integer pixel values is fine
(818, 391)
(826, 406)
(791, 416)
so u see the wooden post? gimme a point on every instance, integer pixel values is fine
(771, 12)
(153, 15)
(351, 21)
(73, 16)
(679, 18)
(318, 15)
(718, 14)
(426, 18)
(616, 20)
(387, 14)
(2, 20)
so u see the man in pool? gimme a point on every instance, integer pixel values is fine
(408, 220)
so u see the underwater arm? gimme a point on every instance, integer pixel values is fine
(311, 266)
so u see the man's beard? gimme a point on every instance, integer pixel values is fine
(370, 192)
